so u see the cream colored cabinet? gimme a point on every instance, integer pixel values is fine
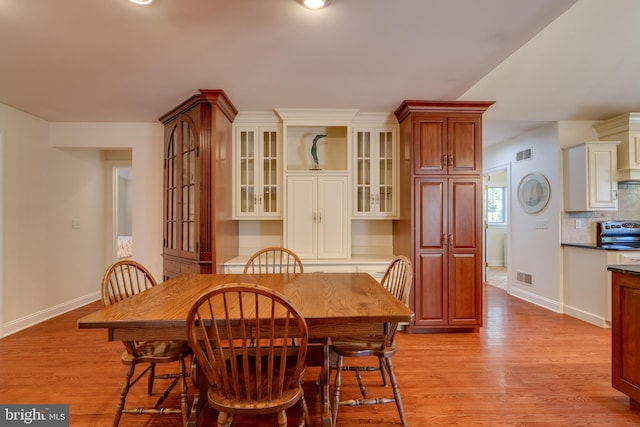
(590, 177)
(374, 173)
(258, 173)
(316, 220)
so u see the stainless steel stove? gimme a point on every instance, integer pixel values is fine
(618, 235)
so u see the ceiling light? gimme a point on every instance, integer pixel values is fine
(141, 1)
(315, 4)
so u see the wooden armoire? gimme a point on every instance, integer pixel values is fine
(199, 234)
(440, 222)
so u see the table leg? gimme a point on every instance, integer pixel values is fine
(325, 405)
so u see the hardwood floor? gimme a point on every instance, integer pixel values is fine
(526, 367)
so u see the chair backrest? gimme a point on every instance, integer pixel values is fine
(242, 336)
(273, 260)
(398, 277)
(123, 279)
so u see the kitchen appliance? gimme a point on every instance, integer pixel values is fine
(622, 237)
(618, 235)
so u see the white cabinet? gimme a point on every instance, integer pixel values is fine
(257, 173)
(590, 177)
(626, 129)
(316, 220)
(374, 173)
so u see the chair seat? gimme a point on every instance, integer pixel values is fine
(363, 346)
(148, 351)
(254, 406)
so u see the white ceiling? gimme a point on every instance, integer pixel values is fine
(113, 61)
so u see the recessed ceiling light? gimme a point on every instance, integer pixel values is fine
(315, 4)
(141, 1)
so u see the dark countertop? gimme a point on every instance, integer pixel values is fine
(629, 269)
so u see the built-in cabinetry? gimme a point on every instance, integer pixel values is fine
(626, 129)
(199, 234)
(440, 218)
(590, 176)
(625, 332)
(374, 172)
(317, 220)
(258, 172)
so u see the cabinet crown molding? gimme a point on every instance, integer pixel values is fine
(413, 106)
(317, 116)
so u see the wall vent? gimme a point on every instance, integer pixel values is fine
(524, 155)
(525, 278)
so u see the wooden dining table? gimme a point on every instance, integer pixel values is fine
(333, 305)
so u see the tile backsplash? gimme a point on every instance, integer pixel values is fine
(628, 208)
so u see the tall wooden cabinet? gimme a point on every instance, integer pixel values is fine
(440, 214)
(199, 233)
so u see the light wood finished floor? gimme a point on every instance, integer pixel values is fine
(526, 367)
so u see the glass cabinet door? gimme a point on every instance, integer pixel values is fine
(270, 172)
(180, 231)
(363, 172)
(386, 172)
(247, 162)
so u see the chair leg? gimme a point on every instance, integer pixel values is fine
(224, 419)
(396, 391)
(123, 395)
(304, 418)
(282, 418)
(184, 397)
(382, 372)
(152, 377)
(336, 391)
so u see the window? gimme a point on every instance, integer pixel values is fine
(496, 212)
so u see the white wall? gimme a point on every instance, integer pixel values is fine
(530, 250)
(50, 178)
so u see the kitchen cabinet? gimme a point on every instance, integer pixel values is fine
(448, 252)
(624, 129)
(439, 224)
(258, 173)
(447, 143)
(374, 173)
(317, 222)
(199, 234)
(625, 333)
(590, 176)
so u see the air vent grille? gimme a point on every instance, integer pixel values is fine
(526, 278)
(524, 155)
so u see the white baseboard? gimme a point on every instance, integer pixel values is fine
(587, 317)
(536, 299)
(33, 319)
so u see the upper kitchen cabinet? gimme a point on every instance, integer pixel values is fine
(444, 141)
(625, 129)
(590, 182)
(375, 171)
(199, 234)
(316, 140)
(258, 167)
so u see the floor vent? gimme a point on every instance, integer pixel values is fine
(523, 155)
(524, 278)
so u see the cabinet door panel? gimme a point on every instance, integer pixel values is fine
(465, 204)
(464, 135)
(429, 297)
(430, 145)
(332, 217)
(465, 288)
(301, 208)
(430, 212)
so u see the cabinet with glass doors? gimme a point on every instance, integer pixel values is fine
(375, 173)
(258, 173)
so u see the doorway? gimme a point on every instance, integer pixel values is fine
(119, 210)
(496, 226)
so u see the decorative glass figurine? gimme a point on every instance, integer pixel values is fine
(314, 152)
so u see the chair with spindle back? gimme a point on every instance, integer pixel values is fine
(242, 336)
(397, 280)
(273, 260)
(122, 280)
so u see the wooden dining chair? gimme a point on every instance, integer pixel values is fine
(273, 260)
(397, 280)
(122, 280)
(241, 336)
